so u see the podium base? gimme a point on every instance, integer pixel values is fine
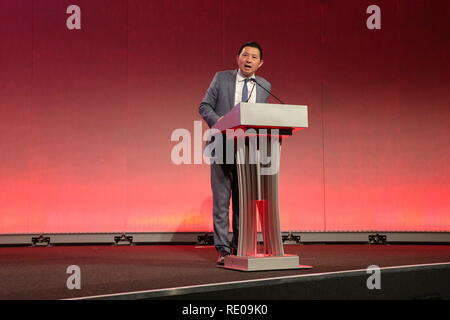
(263, 263)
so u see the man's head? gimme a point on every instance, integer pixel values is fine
(249, 58)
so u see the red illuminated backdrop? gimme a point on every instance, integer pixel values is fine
(87, 115)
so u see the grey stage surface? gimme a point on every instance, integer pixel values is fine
(188, 271)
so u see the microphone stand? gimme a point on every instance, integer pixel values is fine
(254, 80)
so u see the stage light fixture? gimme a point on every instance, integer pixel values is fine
(291, 238)
(206, 239)
(123, 240)
(377, 239)
(40, 241)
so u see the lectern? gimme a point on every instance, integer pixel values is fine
(259, 129)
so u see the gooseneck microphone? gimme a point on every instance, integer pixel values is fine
(254, 80)
(251, 91)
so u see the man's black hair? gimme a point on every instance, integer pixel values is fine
(253, 45)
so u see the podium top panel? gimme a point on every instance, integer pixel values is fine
(264, 115)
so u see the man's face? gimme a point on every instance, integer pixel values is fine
(249, 60)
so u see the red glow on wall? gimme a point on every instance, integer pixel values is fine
(87, 115)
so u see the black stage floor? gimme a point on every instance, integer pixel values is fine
(188, 271)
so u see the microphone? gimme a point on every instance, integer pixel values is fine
(250, 95)
(254, 80)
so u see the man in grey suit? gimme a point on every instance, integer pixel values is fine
(227, 89)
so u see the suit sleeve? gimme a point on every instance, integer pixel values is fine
(207, 107)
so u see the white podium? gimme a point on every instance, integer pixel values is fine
(261, 127)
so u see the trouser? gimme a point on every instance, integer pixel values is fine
(224, 184)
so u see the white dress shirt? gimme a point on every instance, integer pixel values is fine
(240, 85)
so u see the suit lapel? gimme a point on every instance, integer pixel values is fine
(259, 93)
(232, 88)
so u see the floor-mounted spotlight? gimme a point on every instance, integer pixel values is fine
(377, 239)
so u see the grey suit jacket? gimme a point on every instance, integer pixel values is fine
(219, 98)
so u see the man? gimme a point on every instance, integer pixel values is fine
(227, 89)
